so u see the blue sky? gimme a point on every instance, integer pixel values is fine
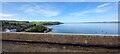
(60, 11)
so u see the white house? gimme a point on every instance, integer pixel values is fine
(10, 30)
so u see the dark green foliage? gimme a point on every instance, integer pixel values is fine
(24, 25)
(37, 29)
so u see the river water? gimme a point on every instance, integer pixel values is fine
(86, 28)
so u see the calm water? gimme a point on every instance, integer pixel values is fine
(86, 28)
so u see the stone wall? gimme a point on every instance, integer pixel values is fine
(63, 38)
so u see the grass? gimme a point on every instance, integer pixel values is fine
(45, 23)
(38, 29)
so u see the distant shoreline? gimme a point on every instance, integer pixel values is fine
(91, 22)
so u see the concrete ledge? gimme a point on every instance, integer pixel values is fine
(87, 39)
(62, 43)
(64, 34)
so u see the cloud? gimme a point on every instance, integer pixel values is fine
(79, 13)
(13, 18)
(116, 3)
(8, 19)
(104, 5)
(43, 10)
(6, 15)
(99, 9)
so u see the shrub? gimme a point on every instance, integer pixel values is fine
(37, 29)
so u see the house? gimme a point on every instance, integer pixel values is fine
(10, 30)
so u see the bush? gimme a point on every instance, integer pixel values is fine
(37, 29)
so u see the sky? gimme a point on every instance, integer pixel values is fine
(60, 11)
